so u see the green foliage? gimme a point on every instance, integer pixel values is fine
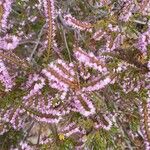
(10, 138)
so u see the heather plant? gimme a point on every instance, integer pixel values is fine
(74, 75)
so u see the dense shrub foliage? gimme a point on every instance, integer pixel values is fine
(74, 74)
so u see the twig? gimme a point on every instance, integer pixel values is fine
(37, 43)
(28, 130)
(39, 134)
(13, 60)
(29, 41)
(53, 128)
(139, 22)
(66, 44)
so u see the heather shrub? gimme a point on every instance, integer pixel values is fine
(74, 75)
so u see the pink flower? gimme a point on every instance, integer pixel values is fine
(5, 78)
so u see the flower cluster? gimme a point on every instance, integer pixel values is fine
(111, 42)
(49, 11)
(76, 24)
(64, 77)
(144, 41)
(145, 7)
(5, 7)
(9, 42)
(144, 109)
(5, 77)
(73, 131)
(14, 116)
(83, 92)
